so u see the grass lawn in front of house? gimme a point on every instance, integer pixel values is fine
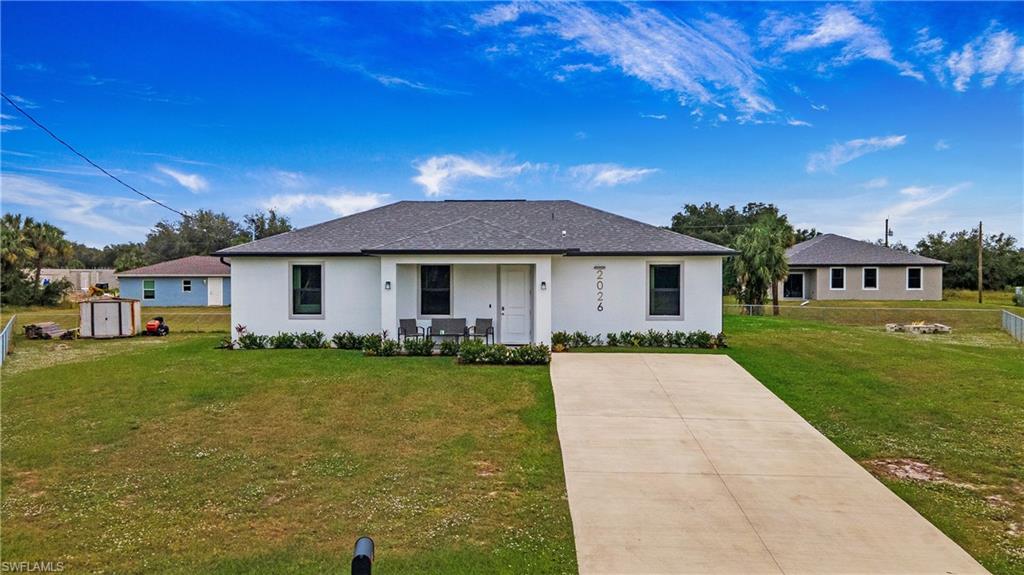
(167, 455)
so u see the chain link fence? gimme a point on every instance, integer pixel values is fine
(964, 319)
(1014, 325)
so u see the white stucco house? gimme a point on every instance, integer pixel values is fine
(533, 267)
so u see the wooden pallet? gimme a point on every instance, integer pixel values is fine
(49, 330)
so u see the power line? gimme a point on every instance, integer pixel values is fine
(90, 162)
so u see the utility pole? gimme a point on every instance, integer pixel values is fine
(980, 245)
(886, 239)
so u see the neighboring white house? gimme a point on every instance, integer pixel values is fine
(532, 267)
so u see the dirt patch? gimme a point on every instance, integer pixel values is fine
(485, 468)
(911, 470)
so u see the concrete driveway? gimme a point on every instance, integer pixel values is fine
(680, 463)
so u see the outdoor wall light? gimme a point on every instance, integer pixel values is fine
(387, 285)
(543, 286)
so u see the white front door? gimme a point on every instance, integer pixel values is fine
(516, 297)
(214, 291)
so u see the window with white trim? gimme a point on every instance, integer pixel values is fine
(148, 289)
(186, 285)
(870, 279)
(915, 278)
(664, 297)
(837, 278)
(307, 289)
(435, 290)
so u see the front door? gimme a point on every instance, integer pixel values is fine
(516, 297)
(215, 291)
(794, 286)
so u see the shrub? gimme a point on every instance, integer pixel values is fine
(389, 347)
(419, 346)
(253, 341)
(348, 340)
(531, 355)
(560, 339)
(612, 338)
(284, 340)
(450, 347)
(699, 339)
(720, 340)
(372, 344)
(497, 354)
(311, 339)
(472, 351)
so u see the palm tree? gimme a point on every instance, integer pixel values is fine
(761, 263)
(45, 243)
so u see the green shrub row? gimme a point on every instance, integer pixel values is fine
(476, 351)
(561, 340)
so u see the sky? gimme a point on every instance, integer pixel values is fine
(840, 114)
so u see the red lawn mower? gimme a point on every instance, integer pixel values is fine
(156, 327)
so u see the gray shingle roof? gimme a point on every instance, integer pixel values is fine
(199, 266)
(485, 226)
(833, 250)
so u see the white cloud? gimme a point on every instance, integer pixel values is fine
(704, 63)
(801, 123)
(607, 175)
(438, 174)
(926, 44)
(341, 203)
(921, 197)
(581, 135)
(9, 128)
(75, 208)
(839, 154)
(942, 145)
(193, 182)
(834, 25)
(23, 102)
(995, 53)
(875, 183)
(655, 116)
(819, 107)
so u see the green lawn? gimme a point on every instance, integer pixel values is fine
(164, 454)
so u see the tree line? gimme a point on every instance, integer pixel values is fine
(761, 233)
(30, 245)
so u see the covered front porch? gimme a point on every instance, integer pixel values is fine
(513, 291)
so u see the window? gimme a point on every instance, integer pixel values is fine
(186, 285)
(664, 285)
(837, 278)
(870, 278)
(914, 280)
(148, 289)
(435, 290)
(307, 289)
(794, 285)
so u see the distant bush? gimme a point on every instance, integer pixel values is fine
(450, 347)
(311, 339)
(419, 346)
(284, 340)
(562, 341)
(378, 345)
(389, 347)
(471, 351)
(531, 354)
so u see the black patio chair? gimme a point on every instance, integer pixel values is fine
(484, 327)
(448, 327)
(407, 328)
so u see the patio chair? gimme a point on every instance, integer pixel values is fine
(407, 328)
(483, 328)
(442, 327)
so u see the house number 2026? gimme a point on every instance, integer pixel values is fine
(599, 284)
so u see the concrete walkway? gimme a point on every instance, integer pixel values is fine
(681, 463)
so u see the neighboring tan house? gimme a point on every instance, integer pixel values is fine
(81, 278)
(531, 267)
(835, 267)
(190, 281)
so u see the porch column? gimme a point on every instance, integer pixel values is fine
(389, 297)
(542, 301)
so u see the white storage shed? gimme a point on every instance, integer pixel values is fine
(110, 317)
